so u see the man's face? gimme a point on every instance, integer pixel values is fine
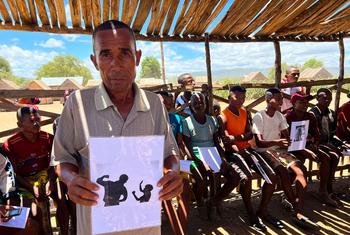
(293, 75)
(189, 82)
(116, 58)
(324, 99)
(276, 101)
(237, 99)
(198, 105)
(30, 123)
(301, 105)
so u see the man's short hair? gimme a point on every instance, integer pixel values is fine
(271, 92)
(181, 78)
(323, 89)
(238, 88)
(110, 25)
(289, 69)
(27, 110)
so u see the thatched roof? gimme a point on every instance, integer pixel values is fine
(223, 20)
(37, 85)
(313, 74)
(57, 81)
(254, 76)
(70, 83)
(8, 85)
(93, 82)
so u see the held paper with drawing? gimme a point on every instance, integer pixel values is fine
(211, 157)
(127, 170)
(298, 135)
(17, 221)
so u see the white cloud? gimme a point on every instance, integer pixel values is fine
(70, 37)
(24, 62)
(51, 43)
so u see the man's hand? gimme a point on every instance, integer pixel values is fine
(82, 191)
(172, 185)
(49, 187)
(284, 143)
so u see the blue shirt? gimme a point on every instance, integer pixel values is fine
(175, 123)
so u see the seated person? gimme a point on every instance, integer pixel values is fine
(185, 81)
(343, 122)
(292, 75)
(271, 134)
(235, 120)
(201, 130)
(29, 152)
(313, 151)
(9, 195)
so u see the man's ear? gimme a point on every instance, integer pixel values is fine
(19, 124)
(138, 57)
(93, 59)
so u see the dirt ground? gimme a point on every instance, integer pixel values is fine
(329, 220)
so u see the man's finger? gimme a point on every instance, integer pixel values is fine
(85, 183)
(172, 194)
(166, 178)
(85, 202)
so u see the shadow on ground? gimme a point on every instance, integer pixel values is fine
(330, 220)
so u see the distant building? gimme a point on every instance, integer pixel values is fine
(254, 77)
(39, 85)
(93, 82)
(315, 74)
(70, 84)
(149, 82)
(8, 85)
(55, 82)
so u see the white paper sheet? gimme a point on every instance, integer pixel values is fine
(18, 221)
(210, 156)
(298, 135)
(185, 166)
(346, 152)
(129, 163)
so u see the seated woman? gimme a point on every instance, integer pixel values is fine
(201, 130)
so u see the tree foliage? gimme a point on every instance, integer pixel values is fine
(64, 66)
(150, 68)
(6, 72)
(312, 63)
(271, 71)
(4, 65)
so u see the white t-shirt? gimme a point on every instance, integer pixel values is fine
(269, 127)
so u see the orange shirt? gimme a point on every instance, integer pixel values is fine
(235, 125)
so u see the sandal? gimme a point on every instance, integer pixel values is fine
(304, 222)
(257, 224)
(273, 221)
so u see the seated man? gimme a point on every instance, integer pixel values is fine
(201, 130)
(313, 151)
(187, 81)
(292, 75)
(235, 120)
(270, 130)
(29, 152)
(343, 122)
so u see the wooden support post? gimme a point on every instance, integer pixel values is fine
(341, 73)
(210, 82)
(278, 70)
(163, 64)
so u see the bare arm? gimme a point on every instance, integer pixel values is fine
(80, 189)
(261, 143)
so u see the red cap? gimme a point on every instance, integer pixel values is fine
(295, 97)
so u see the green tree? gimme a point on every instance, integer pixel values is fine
(150, 68)
(4, 65)
(312, 63)
(64, 66)
(271, 71)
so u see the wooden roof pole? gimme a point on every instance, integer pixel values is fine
(278, 70)
(163, 64)
(210, 82)
(341, 73)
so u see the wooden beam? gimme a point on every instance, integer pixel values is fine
(14, 130)
(23, 11)
(53, 12)
(61, 11)
(96, 12)
(170, 17)
(5, 14)
(74, 6)
(14, 12)
(40, 5)
(154, 15)
(86, 12)
(278, 70)
(341, 73)
(142, 14)
(105, 10)
(30, 93)
(210, 81)
(115, 9)
(163, 63)
(181, 23)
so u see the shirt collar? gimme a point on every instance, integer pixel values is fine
(103, 101)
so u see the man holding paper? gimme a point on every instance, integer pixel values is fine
(115, 108)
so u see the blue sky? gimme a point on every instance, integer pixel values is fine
(27, 51)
